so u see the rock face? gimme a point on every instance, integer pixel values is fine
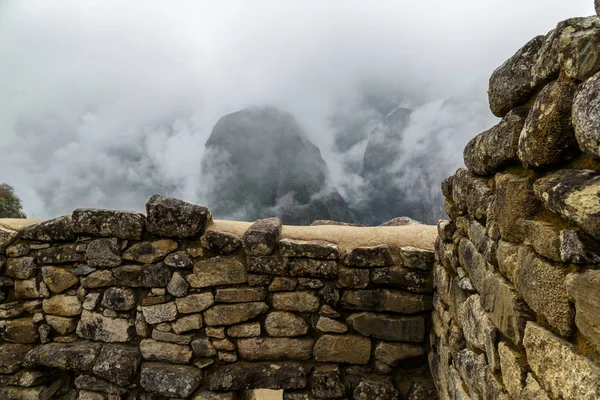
(175, 218)
(266, 148)
(585, 116)
(119, 224)
(169, 380)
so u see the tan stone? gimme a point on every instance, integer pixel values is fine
(95, 326)
(65, 305)
(386, 300)
(325, 324)
(251, 329)
(160, 313)
(296, 301)
(162, 351)
(584, 289)
(188, 323)
(194, 303)
(393, 353)
(232, 314)
(342, 349)
(58, 279)
(272, 349)
(62, 325)
(514, 369)
(282, 323)
(217, 271)
(150, 252)
(27, 289)
(240, 295)
(533, 390)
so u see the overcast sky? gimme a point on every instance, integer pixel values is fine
(86, 84)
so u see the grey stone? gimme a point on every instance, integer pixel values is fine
(258, 280)
(251, 329)
(386, 300)
(283, 284)
(187, 323)
(21, 268)
(262, 237)
(401, 221)
(471, 194)
(11, 310)
(119, 299)
(178, 286)
(514, 369)
(17, 250)
(90, 382)
(548, 137)
(342, 349)
(43, 392)
(353, 278)
(6, 237)
(275, 349)
(160, 313)
(476, 324)
(162, 351)
(269, 265)
(326, 382)
(232, 314)
(194, 303)
(175, 218)
(394, 353)
(203, 347)
(561, 370)
(309, 249)
(11, 356)
(217, 271)
(98, 279)
(104, 253)
(179, 259)
(326, 324)
(296, 301)
(65, 356)
(62, 325)
(171, 337)
(375, 256)
(91, 301)
(533, 390)
(222, 243)
(169, 380)
(118, 363)
(577, 247)
(148, 276)
(95, 326)
(375, 388)
(446, 229)
(58, 279)
(515, 201)
(412, 280)
(267, 375)
(70, 253)
(577, 48)
(511, 83)
(108, 223)
(56, 229)
(283, 323)
(585, 119)
(386, 327)
(240, 295)
(150, 252)
(584, 289)
(312, 267)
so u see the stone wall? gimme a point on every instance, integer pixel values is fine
(517, 303)
(108, 304)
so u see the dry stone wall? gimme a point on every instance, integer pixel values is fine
(517, 274)
(108, 304)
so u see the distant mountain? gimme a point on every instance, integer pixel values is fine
(263, 165)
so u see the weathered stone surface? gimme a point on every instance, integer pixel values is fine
(262, 237)
(515, 202)
(282, 323)
(98, 279)
(179, 259)
(584, 289)
(511, 83)
(187, 323)
(118, 363)
(270, 265)
(43, 392)
(471, 194)
(169, 380)
(326, 382)
(66, 356)
(325, 324)
(163, 351)
(119, 299)
(58, 279)
(60, 254)
(65, 305)
(25, 378)
(342, 349)
(309, 249)
(478, 377)
(296, 301)
(533, 390)
(11, 356)
(104, 253)
(375, 388)
(283, 375)
(231, 314)
(274, 349)
(312, 267)
(505, 307)
(446, 229)
(577, 247)
(283, 284)
(496, 148)
(542, 286)
(561, 370)
(258, 280)
(375, 256)
(178, 286)
(585, 118)
(394, 353)
(203, 347)
(208, 395)
(108, 223)
(62, 325)
(477, 326)
(194, 303)
(548, 137)
(578, 44)
(310, 283)
(56, 229)
(217, 271)
(149, 275)
(175, 218)
(385, 327)
(357, 278)
(386, 300)
(27, 289)
(171, 337)
(160, 313)
(240, 295)
(11, 310)
(150, 252)
(21, 268)
(223, 243)
(544, 237)
(412, 280)
(95, 326)
(251, 329)
(573, 195)
(514, 369)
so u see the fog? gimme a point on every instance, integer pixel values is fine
(104, 103)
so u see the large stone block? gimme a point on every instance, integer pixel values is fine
(584, 289)
(216, 272)
(267, 375)
(232, 314)
(342, 349)
(153, 350)
(394, 353)
(578, 44)
(479, 331)
(56, 229)
(309, 249)
(66, 356)
(58, 279)
(495, 149)
(262, 237)
(559, 367)
(222, 243)
(312, 268)
(95, 326)
(70, 253)
(268, 265)
(408, 279)
(585, 117)
(104, 253)
(109, 223)
(169, 380)
(515, 201)
(514, 369)
(149, 275)
(21, 268)
(511, 83)
(240, 295)
(273, 349)
(375, 256)
(386, 300)
(305, 301)
(159, 313)
(150, 252)
(194, 303)
(63, 305)
(386, 327)
(175, 218)
(283, 323)
(11, 356)
(471, 194)
(118, 363)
